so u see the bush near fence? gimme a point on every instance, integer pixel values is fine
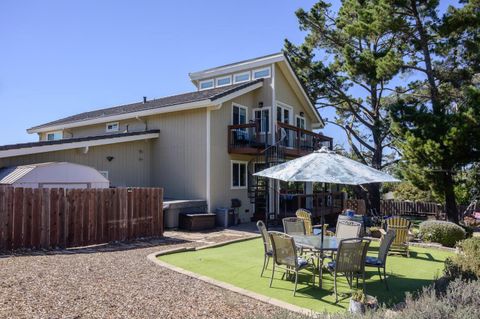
(51, 218)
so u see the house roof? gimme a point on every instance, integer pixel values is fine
(71, 143)
(210, 95)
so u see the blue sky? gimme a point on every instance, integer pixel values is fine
(60, 58)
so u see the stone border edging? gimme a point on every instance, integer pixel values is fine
(272, 301)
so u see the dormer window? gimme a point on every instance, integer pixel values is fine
(261, 73)
(241, 77)
(112, 127)
(54, 136)
(223, 81)
(206, 84)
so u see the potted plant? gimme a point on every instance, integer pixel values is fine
(359, 301)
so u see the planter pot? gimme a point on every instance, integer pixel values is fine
(356, 307)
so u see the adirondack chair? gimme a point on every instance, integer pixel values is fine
(306, 216)
(401, 226)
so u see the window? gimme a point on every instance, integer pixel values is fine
(239, 174)
(206, 84)
(261, 73)
(284, 113)
(104, 174)
(112, 127)
(223, 81)
(53, 136)
(239, 114)
(263, 117)
(241, 77)
(300, 121)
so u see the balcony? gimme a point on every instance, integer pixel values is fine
(250, 139)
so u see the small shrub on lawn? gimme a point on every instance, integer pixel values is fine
(460, 300)
(445, 233)
(466, 264)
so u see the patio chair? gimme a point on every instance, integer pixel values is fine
(349, 261)
(401, 226)
(293, 226)
(347, 229)
(285, 257)
(267, 245)
(381, 260)
(310, 229)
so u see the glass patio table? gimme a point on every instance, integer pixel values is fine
(314, 243)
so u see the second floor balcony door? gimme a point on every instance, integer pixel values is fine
(262, 116)
(285, 115)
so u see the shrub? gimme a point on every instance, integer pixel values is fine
(445, 233)
(466, 263)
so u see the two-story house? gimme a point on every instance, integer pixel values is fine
(205, 144)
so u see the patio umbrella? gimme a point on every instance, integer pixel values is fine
(325, 166)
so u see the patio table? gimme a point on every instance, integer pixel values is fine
(314, 243)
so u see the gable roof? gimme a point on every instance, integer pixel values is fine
(265, 60)
(173, 103)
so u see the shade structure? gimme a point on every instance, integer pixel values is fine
(325, 166)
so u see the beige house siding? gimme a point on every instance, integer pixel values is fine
(220, 161)
(179, 154)
(285, 94)
(130, 165)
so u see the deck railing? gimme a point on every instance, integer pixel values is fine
(249, 139)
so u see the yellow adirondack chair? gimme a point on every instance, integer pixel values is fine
(306, 216)
(401, 226)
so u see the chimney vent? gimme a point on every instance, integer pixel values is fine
(144, 99)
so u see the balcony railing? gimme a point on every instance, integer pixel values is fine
(249, 139)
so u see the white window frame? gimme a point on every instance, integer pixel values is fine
(54, 132)
(204, 81)
(301, 118)
(269, 109)
(241, 107)
(104, 174)
(242, 73)
(231, 174)
(290, 109)
(262, 69)
(221, 78)
(112, 130)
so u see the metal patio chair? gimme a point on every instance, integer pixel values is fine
(349, 261)
(285, 257)
(293, 226)
(347, 229)
(267, 245)
(381, 260)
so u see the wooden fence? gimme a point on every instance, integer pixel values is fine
(50, 218)
(392, 207)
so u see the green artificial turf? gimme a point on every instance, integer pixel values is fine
(240, 264)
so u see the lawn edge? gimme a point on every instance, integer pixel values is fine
(272, 301)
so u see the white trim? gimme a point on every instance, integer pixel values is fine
(54, 132)
(73, 145)
(241, 107)
(286, 106)
(160, 110)
(269, 109)
(204, 81)
(269, 68)
(208, 159)
(237, 67)
(222, 78)
(231, 174)
(242, 73)
(302, 118)
(104, 174)
(112, 130)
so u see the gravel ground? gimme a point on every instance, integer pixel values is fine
(116, 281)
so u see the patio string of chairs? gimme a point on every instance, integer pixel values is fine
(349, 260)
